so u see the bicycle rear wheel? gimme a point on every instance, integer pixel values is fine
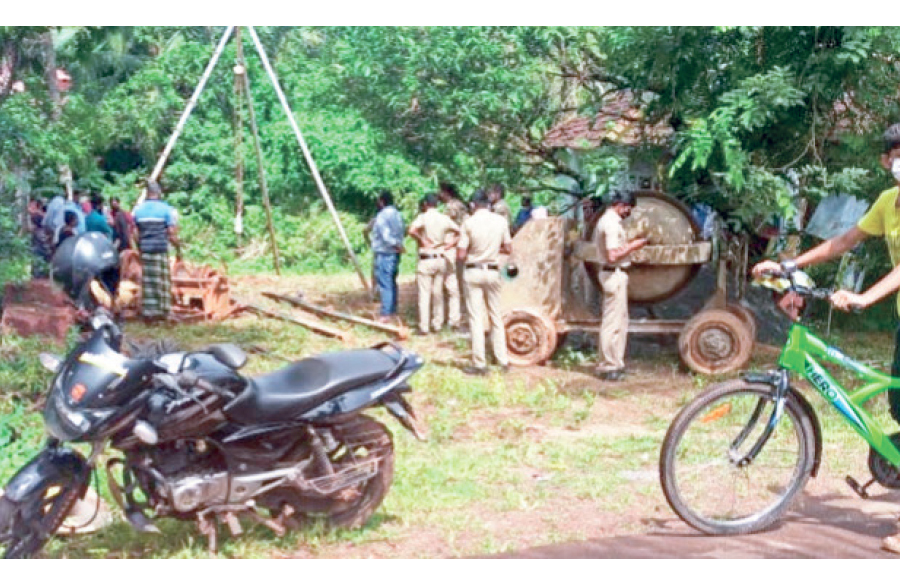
(699, 467)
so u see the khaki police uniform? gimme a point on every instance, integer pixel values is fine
(432, 267)
(482, 235)
(453, 281)
(614, 282)
(501, 208)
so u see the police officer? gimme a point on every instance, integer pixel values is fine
(435, 233)
(498, 204)
(458, 213)
(483, 237)
(614, 253)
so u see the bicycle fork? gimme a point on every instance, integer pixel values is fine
(779, 380)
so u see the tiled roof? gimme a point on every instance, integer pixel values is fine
(619, 121)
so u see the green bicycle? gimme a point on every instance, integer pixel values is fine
(735, 457)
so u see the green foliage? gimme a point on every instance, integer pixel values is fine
(752, 106)
(755, 103)
(15, 254)
(761, 115)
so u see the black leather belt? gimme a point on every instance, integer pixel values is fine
(483, 266)
(610, 268)
(429, 256)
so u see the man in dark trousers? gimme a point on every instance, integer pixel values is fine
(157, 228)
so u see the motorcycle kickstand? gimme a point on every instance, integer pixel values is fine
(208, 527)
(859, 489)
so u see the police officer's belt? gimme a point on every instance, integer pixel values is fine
(428, 256)
(483, 266)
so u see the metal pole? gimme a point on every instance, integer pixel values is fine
(260, 164)
(309, 160)
(239, 142)
(157, 170)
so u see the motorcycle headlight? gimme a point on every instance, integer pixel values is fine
(63, 422)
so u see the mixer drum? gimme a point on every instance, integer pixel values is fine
(672, 257)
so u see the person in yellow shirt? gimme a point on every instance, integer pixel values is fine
(882, 220)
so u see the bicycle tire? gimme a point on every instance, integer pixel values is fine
(726, 394)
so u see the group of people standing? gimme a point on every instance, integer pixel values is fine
(150, 228)
(458, 248)
(51, 223)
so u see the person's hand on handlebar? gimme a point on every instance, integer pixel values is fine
(766, 267)
(848, 301)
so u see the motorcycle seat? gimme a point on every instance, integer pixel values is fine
(289, 392)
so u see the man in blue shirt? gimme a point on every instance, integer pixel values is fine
(524, 214)
(387, 245)
(157, 227)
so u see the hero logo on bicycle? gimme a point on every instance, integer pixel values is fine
(839, 357)
(814, 373)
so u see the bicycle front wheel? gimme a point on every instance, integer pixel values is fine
(700, 469)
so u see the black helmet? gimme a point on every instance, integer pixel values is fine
(82, 258)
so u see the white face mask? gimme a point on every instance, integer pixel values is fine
(895, 169)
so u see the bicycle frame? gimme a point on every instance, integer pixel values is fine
(800, 355)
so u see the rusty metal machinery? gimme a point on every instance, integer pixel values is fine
(557, 290)
(199, 292)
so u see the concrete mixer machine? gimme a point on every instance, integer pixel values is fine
(557, 290)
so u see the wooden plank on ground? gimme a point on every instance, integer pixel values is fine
(314, 326)
(398, 331)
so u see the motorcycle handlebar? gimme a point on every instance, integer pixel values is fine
(193, 379)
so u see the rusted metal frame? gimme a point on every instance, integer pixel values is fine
(400, 332)
(305, 323)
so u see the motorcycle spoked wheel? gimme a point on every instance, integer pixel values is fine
(359, 439)
(884, 471)
(26, 526)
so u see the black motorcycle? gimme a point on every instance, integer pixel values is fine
(193, 439)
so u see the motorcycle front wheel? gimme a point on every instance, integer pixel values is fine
(27, 525)
(703, 468)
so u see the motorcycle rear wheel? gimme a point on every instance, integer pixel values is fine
(358, 439)
(363, 438)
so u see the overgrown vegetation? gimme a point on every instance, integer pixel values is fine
(760, 115)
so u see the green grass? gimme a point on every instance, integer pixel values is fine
(515, 460)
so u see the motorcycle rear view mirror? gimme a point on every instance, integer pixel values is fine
(229, 354)
(50, 362)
